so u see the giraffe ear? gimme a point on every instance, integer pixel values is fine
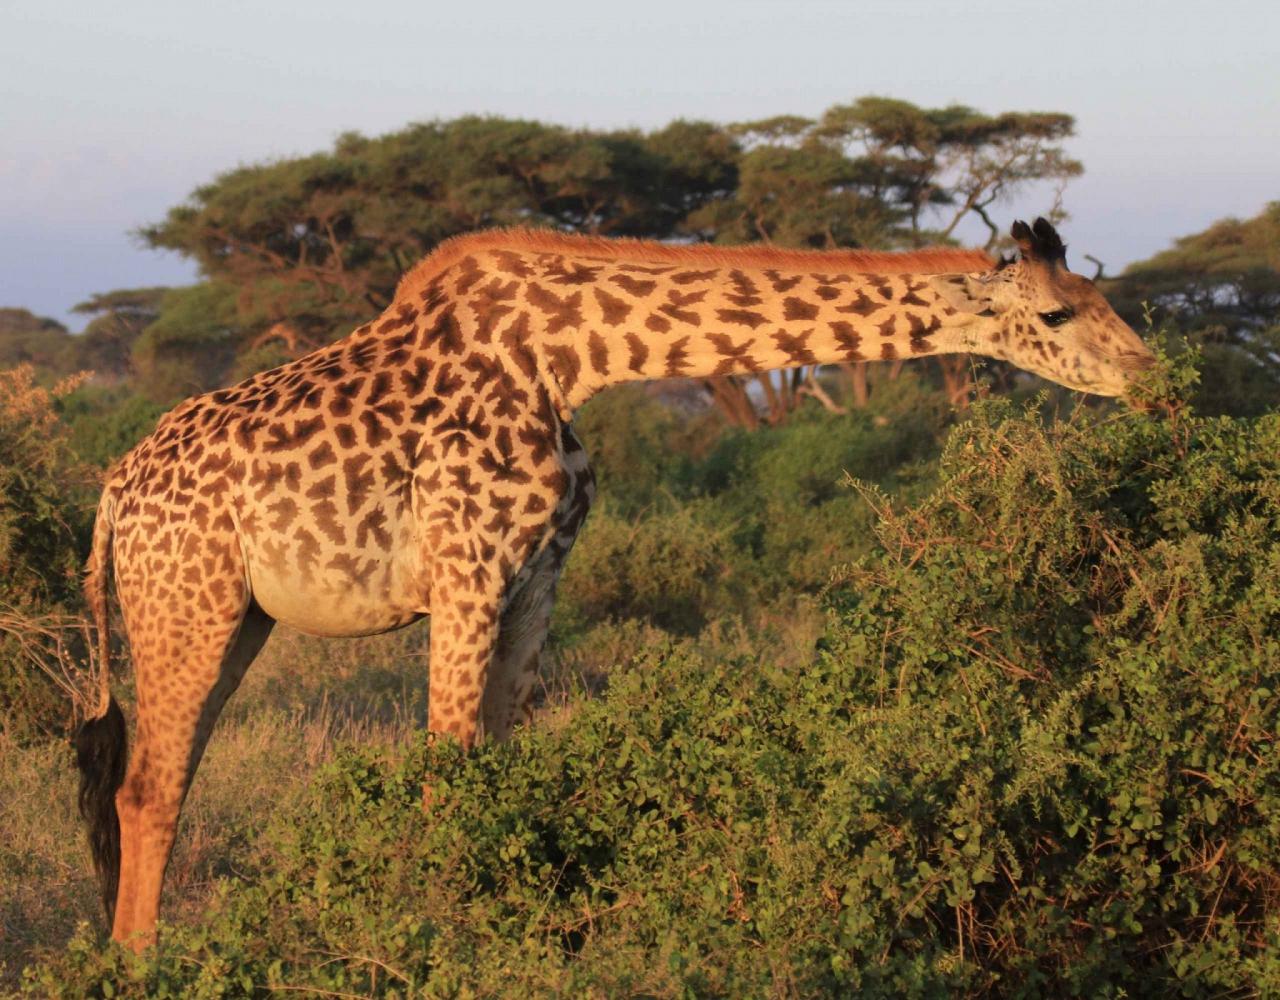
(1040, 242)
(965, 293)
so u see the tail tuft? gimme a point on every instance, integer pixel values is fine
(101, 753)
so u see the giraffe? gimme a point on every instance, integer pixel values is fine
(426, 465)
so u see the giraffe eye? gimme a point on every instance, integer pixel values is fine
(1057, 317)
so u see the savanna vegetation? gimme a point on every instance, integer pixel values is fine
(852, 690)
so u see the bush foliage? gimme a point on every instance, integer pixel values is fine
(695, 523)
(43, 529)
(1034, 753)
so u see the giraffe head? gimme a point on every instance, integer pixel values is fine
(1034, 312)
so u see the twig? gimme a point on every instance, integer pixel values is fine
(45, 641)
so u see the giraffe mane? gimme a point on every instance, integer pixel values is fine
(933, 260)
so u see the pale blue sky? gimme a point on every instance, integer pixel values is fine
(110, 113)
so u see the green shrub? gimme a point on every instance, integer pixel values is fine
(641, 448)
(1078, 638)
(782, 494)
(670, 566)
(104, 423)
(759, 519)
(44, 525)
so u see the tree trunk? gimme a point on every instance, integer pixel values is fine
(774, 414)
(857, 372)
(730, 396)
(955, 378)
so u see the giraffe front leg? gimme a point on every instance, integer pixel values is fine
(464, 629)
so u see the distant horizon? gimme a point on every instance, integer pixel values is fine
(1177, 119)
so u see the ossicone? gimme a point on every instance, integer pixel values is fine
(1039, 241)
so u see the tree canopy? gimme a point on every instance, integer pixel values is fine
(118, 319)
(321, 241)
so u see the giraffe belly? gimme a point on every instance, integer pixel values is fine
(331, 602)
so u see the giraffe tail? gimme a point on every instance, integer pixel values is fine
(101, 742)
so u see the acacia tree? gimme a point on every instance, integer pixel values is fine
(117, 321)
(319, 241)
(941, 165)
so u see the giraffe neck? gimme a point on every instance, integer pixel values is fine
(592, 313)
(631, 321)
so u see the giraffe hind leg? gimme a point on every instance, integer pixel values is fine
(179, 699)
(513, 673)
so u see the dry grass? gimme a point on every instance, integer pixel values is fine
(381, 678)
(45, 882)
